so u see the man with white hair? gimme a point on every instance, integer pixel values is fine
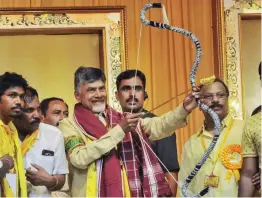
(100, 144)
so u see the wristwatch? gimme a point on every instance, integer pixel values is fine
(1, 164)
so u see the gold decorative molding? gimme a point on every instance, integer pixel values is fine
(232, 11)
(111, 21)
(38, 19)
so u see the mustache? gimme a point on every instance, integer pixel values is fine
(36, 121)
(215, 105)
(17, 106)
(132, 99)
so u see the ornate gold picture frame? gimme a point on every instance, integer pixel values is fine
(233, 12)
(108, 22)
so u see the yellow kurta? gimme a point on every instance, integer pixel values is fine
(84, 153)
(193, 151)
(252, 138)
(9, 144)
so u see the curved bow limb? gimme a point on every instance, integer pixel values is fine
(204, 107)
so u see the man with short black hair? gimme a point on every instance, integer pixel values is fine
(12, 90)
(165, 148)
(53, 110)
(42, 148)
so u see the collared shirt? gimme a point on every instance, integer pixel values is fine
(49, 153)
(85, 153)
(102, 117)
(251, 140)
(193, 151)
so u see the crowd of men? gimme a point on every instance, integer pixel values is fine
(99, 152)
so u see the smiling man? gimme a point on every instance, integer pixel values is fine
(53, 110)
(221, 170)
(99, 143)
(42, 148)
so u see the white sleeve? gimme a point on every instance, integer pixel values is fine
(61, 164)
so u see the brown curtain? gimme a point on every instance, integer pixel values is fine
(166, 57)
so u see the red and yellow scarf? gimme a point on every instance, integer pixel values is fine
(132, 152)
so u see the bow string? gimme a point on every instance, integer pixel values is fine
(144, 20)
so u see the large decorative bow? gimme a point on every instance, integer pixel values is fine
(192, 81)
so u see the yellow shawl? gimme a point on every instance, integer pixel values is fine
(92, 177)
(9, 144)
(28, 142)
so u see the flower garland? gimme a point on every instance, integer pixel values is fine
(231, 158)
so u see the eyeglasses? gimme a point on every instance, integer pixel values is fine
(220, 95)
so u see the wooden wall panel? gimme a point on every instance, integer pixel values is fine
(166, 57)
(52, 3)
(14, 3)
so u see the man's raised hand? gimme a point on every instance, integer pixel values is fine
(129, 122)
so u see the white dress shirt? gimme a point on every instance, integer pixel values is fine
(49, 153)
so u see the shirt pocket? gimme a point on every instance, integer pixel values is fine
(46, 162)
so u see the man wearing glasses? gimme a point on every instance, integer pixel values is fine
(221, 170)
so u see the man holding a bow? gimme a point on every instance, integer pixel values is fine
(99, 143)
(221, 170)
